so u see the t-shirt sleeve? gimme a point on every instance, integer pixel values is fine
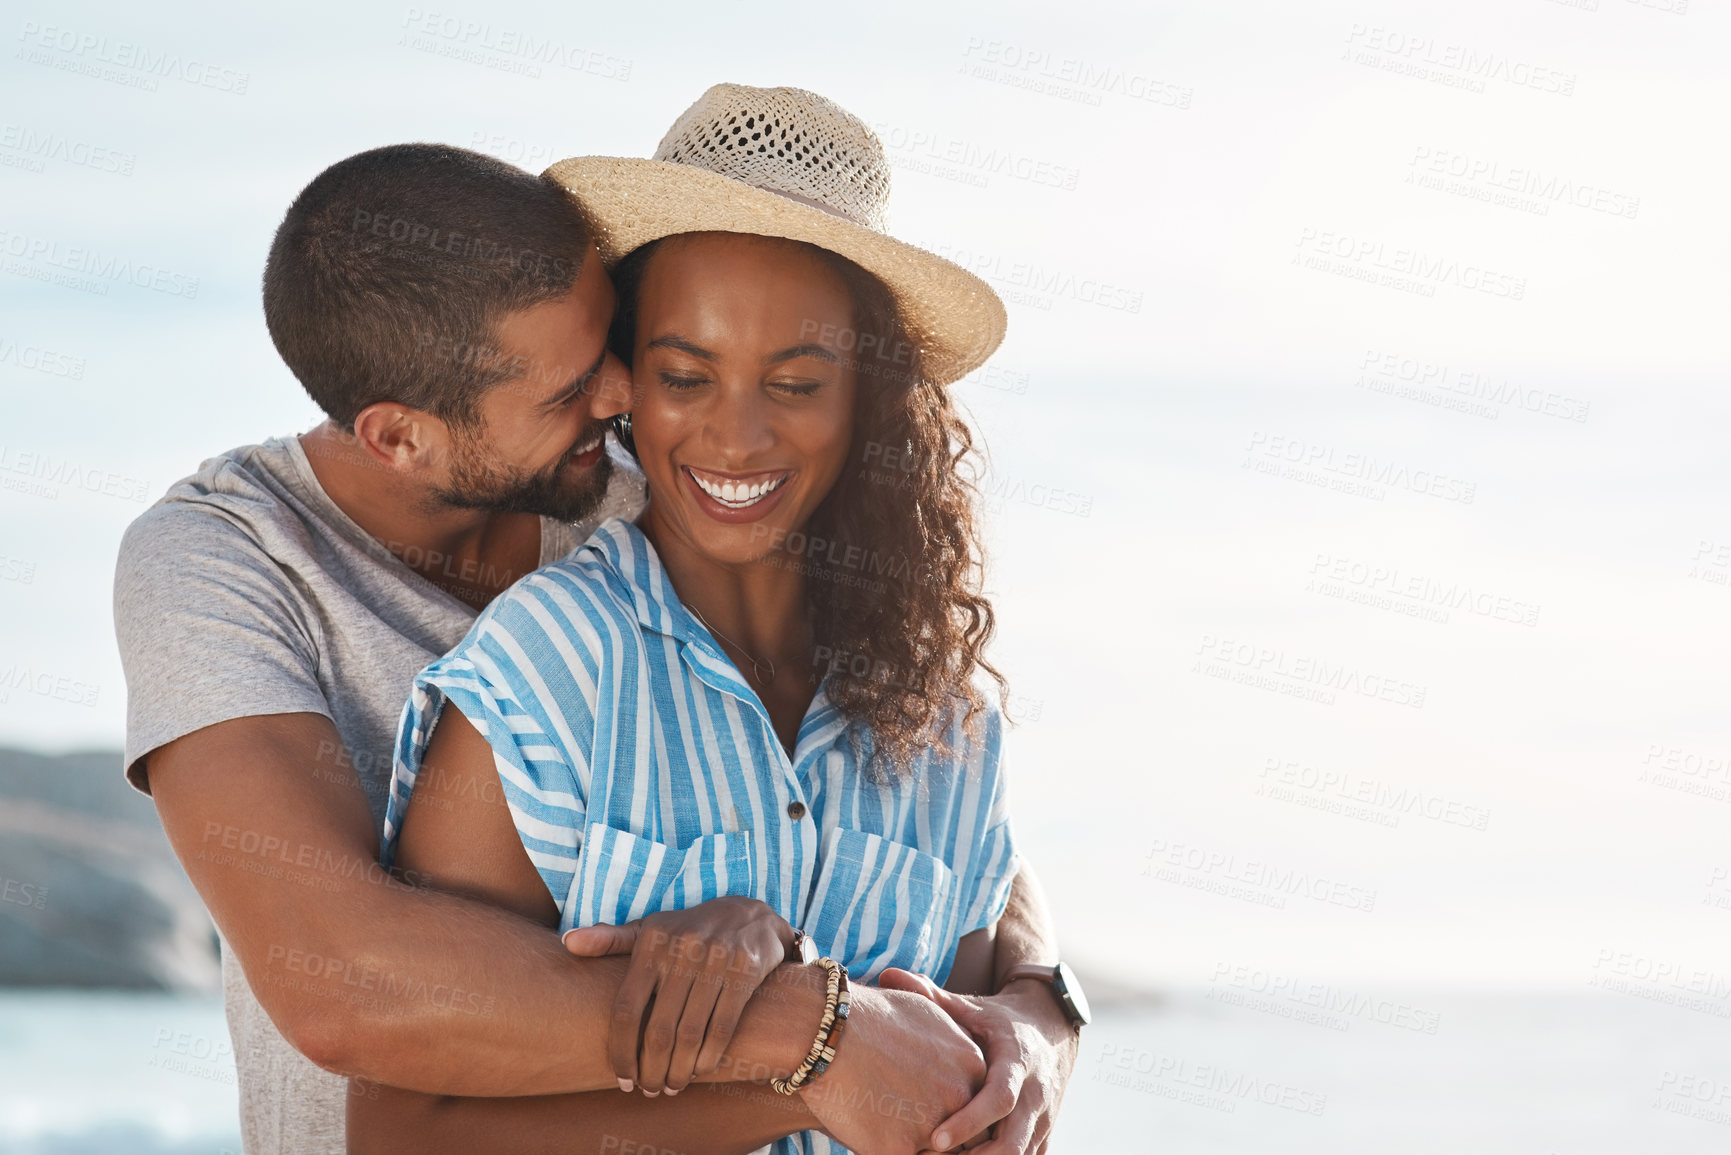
(525, 687)
(209, 630)
(993, 860)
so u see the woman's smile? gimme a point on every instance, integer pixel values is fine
(737, 493)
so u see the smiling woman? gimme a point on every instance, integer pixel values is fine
(742, 429)
(772, 380)
(738, 422)
(880, 518)
(703, 727)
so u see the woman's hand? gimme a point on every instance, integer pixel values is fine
(699, 967)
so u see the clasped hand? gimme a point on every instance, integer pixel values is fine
(692, 972)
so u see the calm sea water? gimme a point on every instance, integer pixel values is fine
(1577, 1074)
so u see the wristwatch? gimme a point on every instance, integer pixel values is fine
(802, 949)
(1064, 985)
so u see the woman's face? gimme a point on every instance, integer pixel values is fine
(745, 402)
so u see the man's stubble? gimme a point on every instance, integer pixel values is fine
(479, 481)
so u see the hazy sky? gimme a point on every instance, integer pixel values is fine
(1359, 490)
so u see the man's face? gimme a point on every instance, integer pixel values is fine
(538, 447)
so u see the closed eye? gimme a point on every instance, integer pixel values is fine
(676, 381)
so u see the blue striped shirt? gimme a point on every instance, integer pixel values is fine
(643, 774)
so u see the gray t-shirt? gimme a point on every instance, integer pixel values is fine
(246, 591)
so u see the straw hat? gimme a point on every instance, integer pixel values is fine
(784, 162)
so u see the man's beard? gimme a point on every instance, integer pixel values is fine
(479, 481)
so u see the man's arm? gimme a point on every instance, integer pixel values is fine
(726, 1119)
(365, 975)
(372, 977)
(1024, 932)
(1029, 1042)
(459, 834)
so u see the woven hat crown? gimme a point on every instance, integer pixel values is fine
(788, 141)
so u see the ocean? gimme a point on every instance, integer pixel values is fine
(1217, 1071)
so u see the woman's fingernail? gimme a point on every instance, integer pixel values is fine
(649, 1093)
(941, 1141)
(625, 1085)
(671, 1092)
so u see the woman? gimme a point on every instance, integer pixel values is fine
(761, 713)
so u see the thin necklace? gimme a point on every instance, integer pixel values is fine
(756, 666)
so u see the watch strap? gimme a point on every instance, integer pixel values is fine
(1053, 976)
(1046, 973)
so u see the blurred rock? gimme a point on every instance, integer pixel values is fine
(90, 892)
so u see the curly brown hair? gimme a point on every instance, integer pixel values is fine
(893, 554)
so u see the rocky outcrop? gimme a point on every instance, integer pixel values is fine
(90, 892)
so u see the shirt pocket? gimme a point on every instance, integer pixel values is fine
(878, 903)
(622, 876)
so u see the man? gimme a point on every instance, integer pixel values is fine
(449, 315)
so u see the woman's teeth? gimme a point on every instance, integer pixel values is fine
(737, 494)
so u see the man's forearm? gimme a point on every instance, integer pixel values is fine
(706, 1117)
(368, 976)
(441, 994)
(903, 1065)
(1025, 930)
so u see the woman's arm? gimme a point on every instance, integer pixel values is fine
(458, 834)
(975, 970)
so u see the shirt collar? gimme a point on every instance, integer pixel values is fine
(630, 554)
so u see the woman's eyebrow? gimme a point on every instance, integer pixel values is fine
(817, 351)
(681, 344)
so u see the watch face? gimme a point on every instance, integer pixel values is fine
(807, 948)
(1070, 991)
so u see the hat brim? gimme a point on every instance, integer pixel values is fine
(953, 316)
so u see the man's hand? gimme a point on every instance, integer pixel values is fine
(692, 972)
(1030, 1047)
(902, 1065)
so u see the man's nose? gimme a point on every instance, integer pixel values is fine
(611, 391)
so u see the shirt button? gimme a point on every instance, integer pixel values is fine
(796, 810)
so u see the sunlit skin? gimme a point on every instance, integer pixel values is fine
(461, 507)
(739, 378)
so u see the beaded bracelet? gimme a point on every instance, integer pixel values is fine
(829, 1030)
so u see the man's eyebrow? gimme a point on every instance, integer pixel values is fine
(566, 393)
(684, 346)
(808, 350)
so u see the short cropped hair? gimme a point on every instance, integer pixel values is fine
(392, 269)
